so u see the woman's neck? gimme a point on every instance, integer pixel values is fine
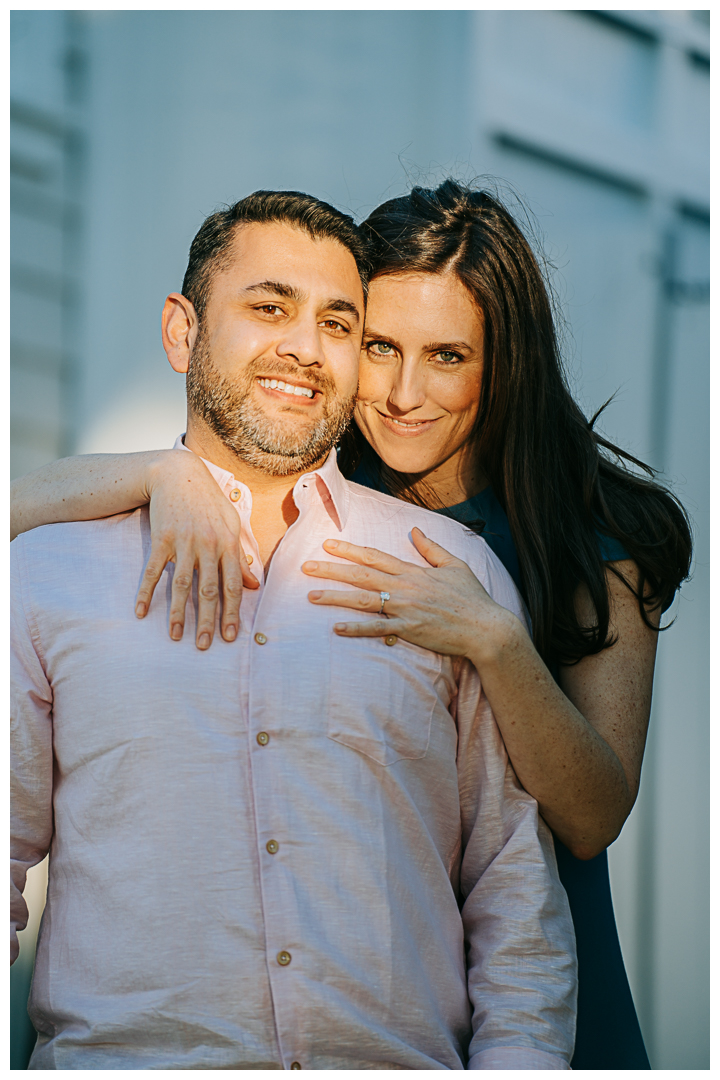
(448, 484)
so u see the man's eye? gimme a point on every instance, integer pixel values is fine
(333, 324)
(270, 309)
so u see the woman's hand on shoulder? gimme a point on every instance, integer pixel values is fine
(193, 525)
(442, 606)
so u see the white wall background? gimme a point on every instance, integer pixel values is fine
(600, 121)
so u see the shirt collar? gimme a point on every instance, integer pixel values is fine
(333, 488)
(330, 483)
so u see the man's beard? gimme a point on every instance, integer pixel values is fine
(259, 440)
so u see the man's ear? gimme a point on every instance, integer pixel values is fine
(179, 330)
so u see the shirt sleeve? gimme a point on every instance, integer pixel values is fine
(31, 753)
(520, 941)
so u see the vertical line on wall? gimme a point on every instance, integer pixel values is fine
(75, 63)
(646, 921)
(660, 404)
(645, 913)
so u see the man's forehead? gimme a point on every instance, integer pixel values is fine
(274, 249)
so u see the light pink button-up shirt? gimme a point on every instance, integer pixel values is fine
(293, 850)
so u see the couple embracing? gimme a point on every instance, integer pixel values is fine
(365, 826)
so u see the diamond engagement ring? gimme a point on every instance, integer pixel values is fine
(384, 597)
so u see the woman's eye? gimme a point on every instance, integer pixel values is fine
(448, 357)
(382, 348)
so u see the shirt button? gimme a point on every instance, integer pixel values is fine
(390, 639)
(260, 638)
(272, 846)
(263, 738)
(235, 494)
(283, 958)
(248, 559)
(296, 1065)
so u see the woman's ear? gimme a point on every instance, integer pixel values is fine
(179, 331)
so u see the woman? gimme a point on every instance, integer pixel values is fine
(462, 407)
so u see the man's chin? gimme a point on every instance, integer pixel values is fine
(289, 437)
(278, 438)
(275, 464)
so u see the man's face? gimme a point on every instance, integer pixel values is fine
(274, 369)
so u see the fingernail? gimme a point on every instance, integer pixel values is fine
(204, 641)
(314, 595)
(230, 632)
(331, 543)
(310, 566)
(341, 627)
(140, 610)
(176, 632)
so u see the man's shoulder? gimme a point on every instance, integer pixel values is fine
(69, 541)
(393, 519)
(398, 513)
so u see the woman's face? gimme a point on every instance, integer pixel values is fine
(420, 376)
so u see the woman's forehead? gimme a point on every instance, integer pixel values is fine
(422, 301)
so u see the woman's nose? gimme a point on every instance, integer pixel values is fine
(407, 391)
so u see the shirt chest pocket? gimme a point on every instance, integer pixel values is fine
(382, 697)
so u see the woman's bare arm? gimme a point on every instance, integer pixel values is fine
(577, 747)
(192, 525)
(81, 488)
(577, 750)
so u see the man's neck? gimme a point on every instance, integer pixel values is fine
(274, 509)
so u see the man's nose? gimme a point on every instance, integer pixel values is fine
(408, 391)
(302, 343)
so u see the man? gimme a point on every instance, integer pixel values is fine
(293, 850)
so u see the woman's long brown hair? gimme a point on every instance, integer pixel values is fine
(558, 480)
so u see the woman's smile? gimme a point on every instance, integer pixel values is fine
(404, 427)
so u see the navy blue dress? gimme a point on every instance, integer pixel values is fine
(608, 1032)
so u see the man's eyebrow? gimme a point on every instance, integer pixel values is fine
(290, 292)
(277, 288)
(346, 306)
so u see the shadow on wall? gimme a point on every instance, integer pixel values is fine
(130, 423)
(22, 1033)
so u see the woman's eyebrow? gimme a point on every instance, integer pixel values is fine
(432, 346)
(374, 335)
(448, 346)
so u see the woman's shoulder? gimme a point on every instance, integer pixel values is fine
(484, 514)
(611, 549)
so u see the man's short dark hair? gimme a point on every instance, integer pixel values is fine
(210, 250)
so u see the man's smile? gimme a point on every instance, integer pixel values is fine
(288, 389)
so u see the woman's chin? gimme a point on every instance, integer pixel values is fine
(402, 453)
(406, 461)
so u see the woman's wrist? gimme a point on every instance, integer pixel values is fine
(161, 462)
(497, 637)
